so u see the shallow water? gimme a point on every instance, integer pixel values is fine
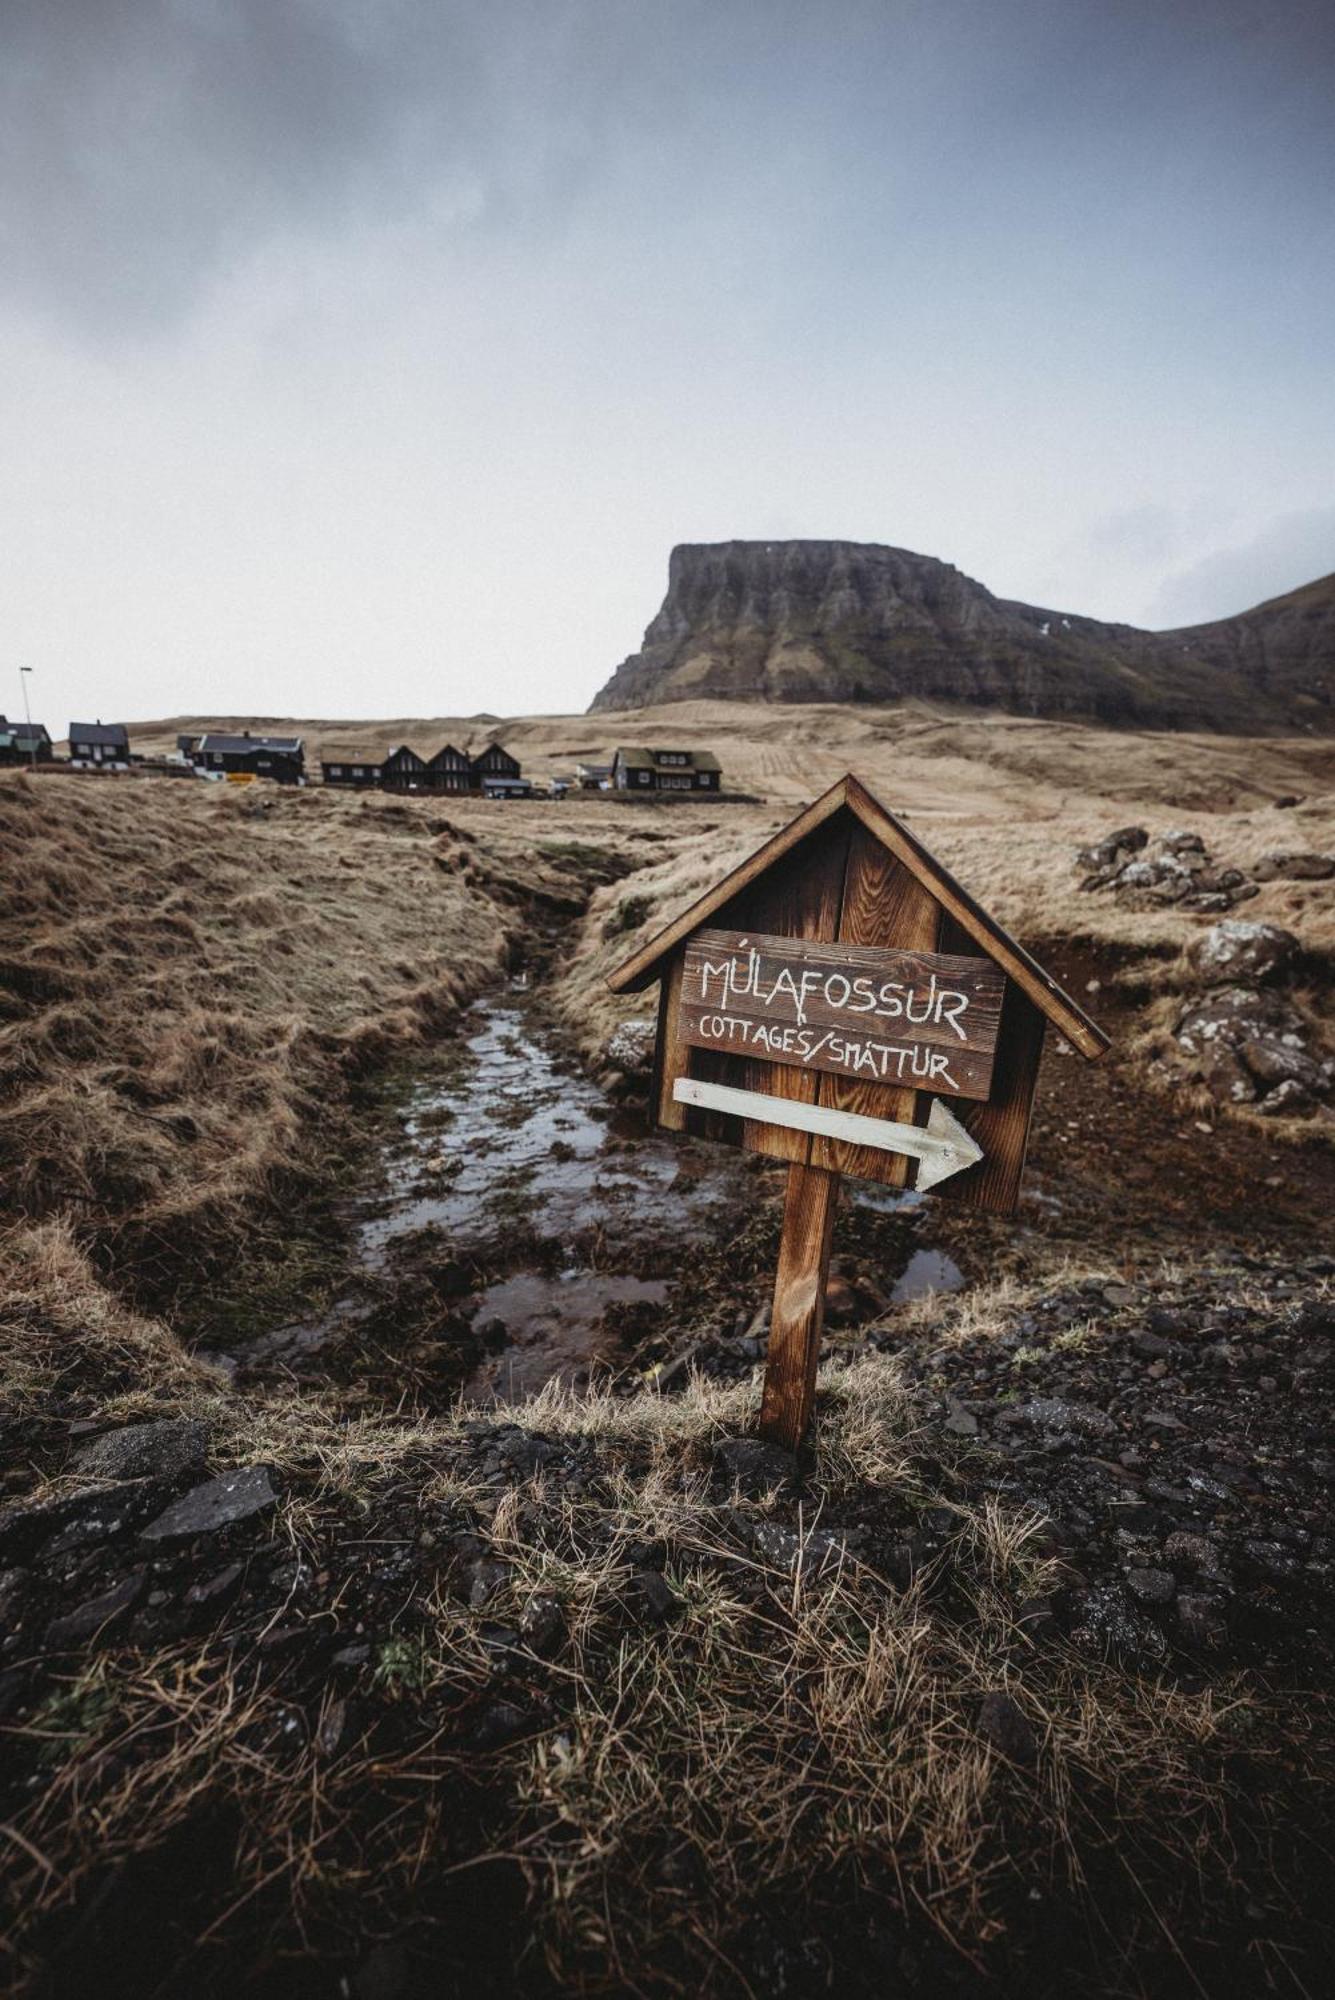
(926, 1271)
(515, 1140)
(516, 1161)
(553, 1329)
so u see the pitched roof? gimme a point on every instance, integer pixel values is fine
(447, 750)
(237, 746)
(637, 758)
(328, 757)
(849, 793)
(108, 735)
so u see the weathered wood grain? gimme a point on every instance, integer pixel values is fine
(884, 904)
(848, 799)
(799, 896)
(1001, 1126)
(854, 1010)
(671, 1053)
(862, 1054)
(799, 1305)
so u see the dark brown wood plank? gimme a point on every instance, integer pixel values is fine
(862, 1053)
(974, 926)
(1001, 1126)
(799, 896)
(884, 904)
(643, 966)
(895, 1016)
(799, 1305)
(671, 1054)
(981, 929)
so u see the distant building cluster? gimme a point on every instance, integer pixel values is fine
(493, 772)
(243, 756)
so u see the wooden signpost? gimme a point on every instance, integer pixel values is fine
(840, 1002)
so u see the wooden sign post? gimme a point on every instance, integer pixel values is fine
(840, 1002)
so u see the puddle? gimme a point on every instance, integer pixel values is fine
(517, 1141)
(524, 1169)
(551, 1328)
(926, 1271)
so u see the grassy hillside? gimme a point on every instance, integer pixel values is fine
(589, 1694)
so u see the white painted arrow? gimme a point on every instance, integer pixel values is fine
(942, 1146)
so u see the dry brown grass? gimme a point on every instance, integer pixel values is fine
(801, 1733)
(189, 975)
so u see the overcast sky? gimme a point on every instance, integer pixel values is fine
(367, 357)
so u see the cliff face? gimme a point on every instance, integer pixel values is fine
(850, 621)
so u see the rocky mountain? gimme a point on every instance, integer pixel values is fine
(853, 621)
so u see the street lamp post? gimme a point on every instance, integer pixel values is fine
(27, 716)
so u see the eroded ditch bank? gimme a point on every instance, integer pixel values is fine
(515, 1224)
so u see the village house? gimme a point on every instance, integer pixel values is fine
(282, 758)
(450, 770)
(593, 777)
(99, 746)
(24, 743)
(496, 766)
(359, 768)
(403, 770)
(507, 788)
(649, 771)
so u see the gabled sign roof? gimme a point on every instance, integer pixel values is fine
(850, 794)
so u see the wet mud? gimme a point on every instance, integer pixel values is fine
(514, 1224)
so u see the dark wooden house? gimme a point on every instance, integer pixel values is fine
(99, 744)
(24, 743)
(450, 770)
(647, 771)
(403, 770)
(360, 769)
(493, 762)
(282, 758)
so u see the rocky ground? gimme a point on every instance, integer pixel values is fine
(1014, 1681)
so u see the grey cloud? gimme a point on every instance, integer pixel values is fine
(145, 142)
(1295, 549)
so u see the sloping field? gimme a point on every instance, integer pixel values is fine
(313, 1682)
(916, 757)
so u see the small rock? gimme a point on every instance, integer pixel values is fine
(1151, 1586)
(1304, 867)
(167, 1450)
(87, 1619)
(1286, 1097)
(13, 1586)
(353, 1656)
(219, 1503)
(1238, 949)
(542, 1625)
(630, 1048)
(1201, 1619)
(500, 1722)
(653, 1597)
(1003, 1723)
(1054, 1413)
(487, 1579)
(217, 1589)
(1109, 1622)
(783, 1548)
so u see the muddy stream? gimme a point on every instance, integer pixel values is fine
(574, 1223)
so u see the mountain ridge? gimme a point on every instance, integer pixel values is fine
(816, 621)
